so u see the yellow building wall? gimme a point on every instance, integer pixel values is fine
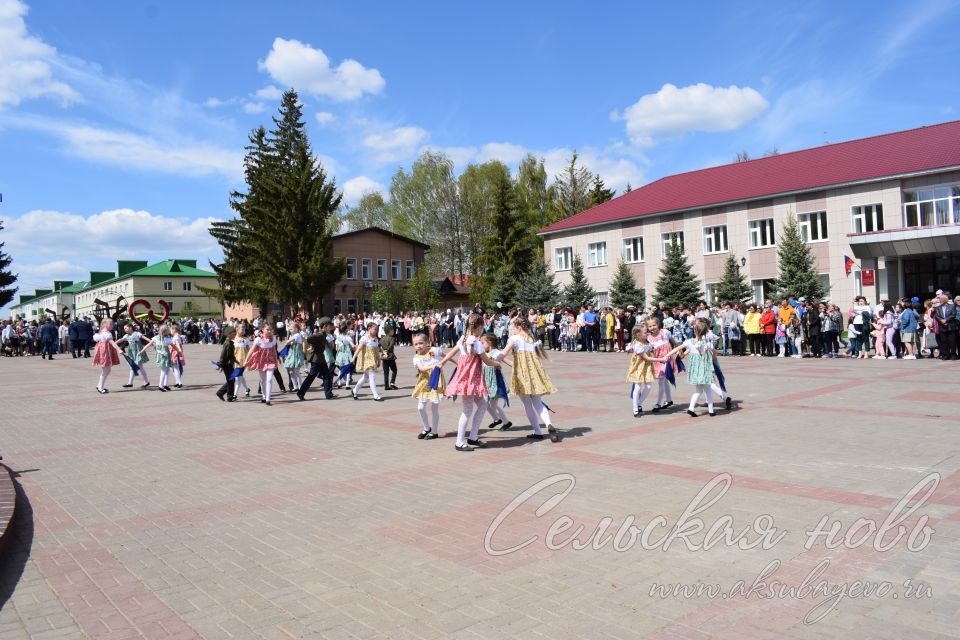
(184, 303)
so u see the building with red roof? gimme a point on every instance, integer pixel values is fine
(892, 202)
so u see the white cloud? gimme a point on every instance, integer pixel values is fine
(509, 154)
(396, 144)
(121, 233)
(269, 92)
(295, 64)
(356, 188)
(699, 107)
(254, 107)
(324, 118)
(461, 156)
(25, 61)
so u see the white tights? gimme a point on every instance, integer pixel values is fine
(164, 376)
(430, 420)
(104, 372)
(266, 384)
(717, 390)
(663, 389)
(296, 377)
(240, 383)
(472, 414)
(372, 377)
(176, 373)
(640, 393)
(143, 374)
(496, 411)
(707, 391)
(536, 412)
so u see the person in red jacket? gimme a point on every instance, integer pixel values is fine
(768, 325)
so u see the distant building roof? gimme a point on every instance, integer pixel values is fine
(166, 269)
(384, 232)
(914, 151)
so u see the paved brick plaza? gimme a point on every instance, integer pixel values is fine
(175, 515)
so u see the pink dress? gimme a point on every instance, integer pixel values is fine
(660, 347)
(468, 380)
(105, 355)
(264, 357)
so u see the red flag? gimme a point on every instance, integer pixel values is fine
(848, 264)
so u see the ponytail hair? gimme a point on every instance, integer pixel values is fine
(700, 328)
(521, 325)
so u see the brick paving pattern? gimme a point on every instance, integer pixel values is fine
(149, 515)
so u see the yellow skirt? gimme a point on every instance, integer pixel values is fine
(422, 390)
(240, 356)
(367, 360)
(640, 371)
(529, 378)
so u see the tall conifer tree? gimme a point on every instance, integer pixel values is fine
(677, 283)
(7, 277)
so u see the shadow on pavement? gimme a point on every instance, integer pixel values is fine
(17, 543)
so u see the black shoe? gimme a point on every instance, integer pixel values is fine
(535, 436)
(692, 414)
(232, 399)
(506, 426)
(262, 400)
(102, 391)
(162, 389)
(50, 358)
(476, 443)
(300, 395)
(354, 394)
(494, 424)
(378, 399)
(167, 388)
(638, 414)
(126, 386)
(222, 399)
(656, 408)
(711, 413)
(728, 403)
(431, 436)
(668, 405)
(462, 447)
(330, 396)
(145, 385)
(178, 386)
(422, 435)
(268, 403)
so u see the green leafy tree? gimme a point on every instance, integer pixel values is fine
(578, 291)
(733, 287)
(537, 287)
(503, 289)
(535, 199)
(573, 190)
(599, 193)
(478, 185)
(421, 292)
(677, 283)
(796, 274)
(388, 298)
(7, 277)
(624, 290)
(371, 211)
(507, 246)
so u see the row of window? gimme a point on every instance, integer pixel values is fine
(812, 226)
(931, 207)
(366, 269)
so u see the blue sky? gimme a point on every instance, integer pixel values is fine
(122, 124)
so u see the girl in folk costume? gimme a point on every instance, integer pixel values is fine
(528, 380)
(700, 370)
(660, 344)
(490, 344)
(345, 350)
(367, 361)
(177, 359)
(107, 353)
(135, 344)
(241, 345)
(262, 358)
(295, 359)
(640, 373)
(161, 344)
(425, 360)
(468, 382)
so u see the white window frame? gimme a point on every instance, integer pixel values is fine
(633, 249)
(813, 223)
(597, 254)
(668, 238)
(351, 269)
(188, 286)
(947, 195)
(366, 269)
(381, 269)
(710, 295)
(396, 271)
(411, 269)
(563, 258)
(864, 214)
(168, 285)
(756, 236)
(715, 240)
(827, 285)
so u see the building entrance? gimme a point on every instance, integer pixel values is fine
(923, 276)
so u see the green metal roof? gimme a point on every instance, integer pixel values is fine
(165, 269)
(76, 287)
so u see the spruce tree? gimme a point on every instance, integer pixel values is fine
(503, 289)
(578, 292)
(573, 190)
(796, 274)
(7, 278)
(600, 194)
(677, 284)
(624, 290)
(537, 287)
(733, 288)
